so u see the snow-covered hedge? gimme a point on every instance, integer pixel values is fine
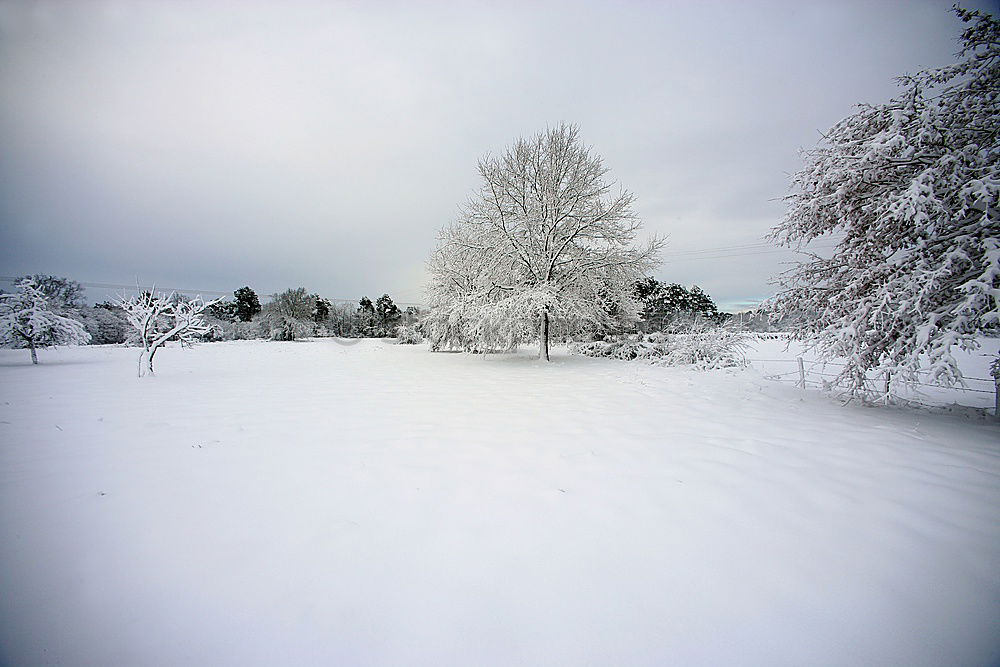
(104, 325)
(409, 335)
(701, 347)
(625, 347)
(285, 328)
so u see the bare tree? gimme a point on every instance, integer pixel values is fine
(61, 293)
(546, 240)
(159, 318)
(289, 315)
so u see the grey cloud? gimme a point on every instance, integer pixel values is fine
(319, 144)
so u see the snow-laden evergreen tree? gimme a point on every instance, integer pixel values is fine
(701, 304)
(911, 190)
(546, 240)
(162, 317)
(27, 321)
(663, 304)
(366, 316)
(321, 310)
(226, 311)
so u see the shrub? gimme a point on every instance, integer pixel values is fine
(285, 328)
(409, 335)
(105, 325)
(241, 330)
(702, 345)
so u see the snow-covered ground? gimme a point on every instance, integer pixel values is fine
(317, 503)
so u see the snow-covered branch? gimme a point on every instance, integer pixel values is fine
(912, 188)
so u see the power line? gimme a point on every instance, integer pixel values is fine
(720, 252)
(178, 290)
(762, 245)
(11, 279)
(736, 254)
(742, 246)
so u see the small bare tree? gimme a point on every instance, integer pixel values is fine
(159, 318)
(546, 239)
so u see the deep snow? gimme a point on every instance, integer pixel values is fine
(371, 504)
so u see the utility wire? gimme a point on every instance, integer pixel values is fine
(720, 252)
(674, 258)
(13, 279)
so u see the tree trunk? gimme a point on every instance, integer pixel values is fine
(34, 355)
(543, 337)
(149, 360)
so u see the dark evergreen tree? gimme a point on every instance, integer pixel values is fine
(387, 315)
(247, 304)
(673, 299)
(646, 289)
(647, 292)
(224, 310)
(321, 311)
(663, 303)
(701, 303)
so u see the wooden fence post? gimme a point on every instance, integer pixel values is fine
(802, 374)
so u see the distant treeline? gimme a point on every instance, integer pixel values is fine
(291, 314)
(298, 313)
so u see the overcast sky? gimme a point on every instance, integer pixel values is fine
(209, 145)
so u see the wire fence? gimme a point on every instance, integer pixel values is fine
(977, 393)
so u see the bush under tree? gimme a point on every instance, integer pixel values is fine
(700, 343)
(409, 335)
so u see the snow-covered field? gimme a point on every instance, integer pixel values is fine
(317, 503)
